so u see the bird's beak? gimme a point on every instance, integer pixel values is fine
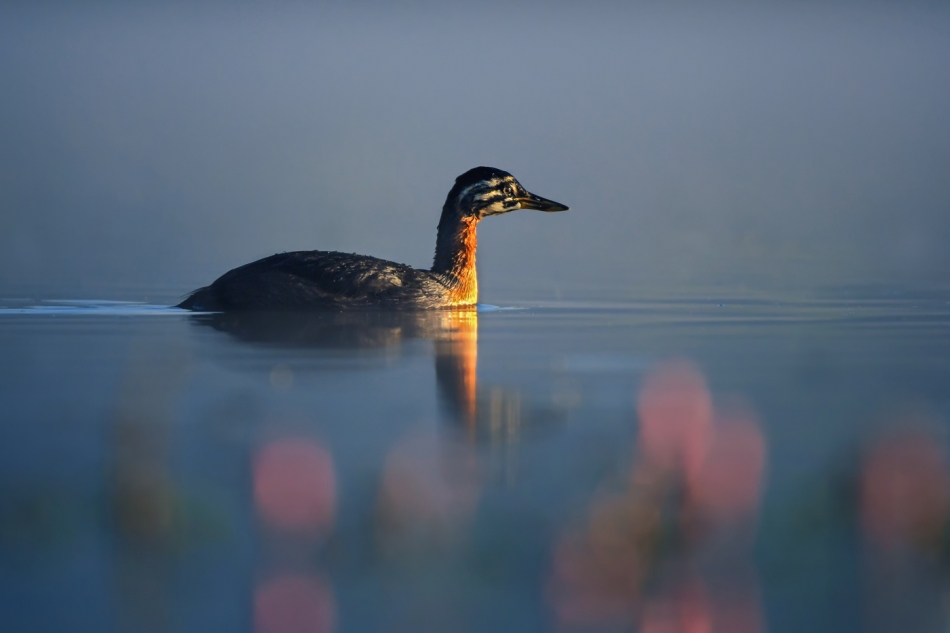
(540, 204)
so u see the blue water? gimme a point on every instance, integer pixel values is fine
(740, 463)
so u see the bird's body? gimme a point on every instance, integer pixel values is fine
(321, 279)
(308, 280)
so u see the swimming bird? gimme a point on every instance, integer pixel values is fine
(307, 280)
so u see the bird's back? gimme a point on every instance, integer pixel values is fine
(305, 280)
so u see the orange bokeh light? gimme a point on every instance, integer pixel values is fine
(686, 611)
(675, 411)
(294, 604)
(295, 486)
(905, 491)
(727, 483)
(430, 489)
(697, 607)
(697, 467)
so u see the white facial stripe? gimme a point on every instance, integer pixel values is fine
(490, 193)
(464, 193)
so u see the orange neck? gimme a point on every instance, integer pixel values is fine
(455, 257)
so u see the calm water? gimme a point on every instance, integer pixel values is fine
(673, 464)
(676, 460)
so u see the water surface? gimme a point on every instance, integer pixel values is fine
(749, 463)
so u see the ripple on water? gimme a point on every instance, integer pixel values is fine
(74, 307)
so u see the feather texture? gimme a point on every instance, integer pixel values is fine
(327, 280)
(320, 279)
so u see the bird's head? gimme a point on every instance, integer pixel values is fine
(485, 191)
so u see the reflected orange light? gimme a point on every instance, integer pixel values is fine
(905, 491)
(675, 411)
(294, 604)
(295, 486)
(461, 345)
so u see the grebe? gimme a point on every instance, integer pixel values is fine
(306, 280)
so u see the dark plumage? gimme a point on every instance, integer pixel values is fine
(306, 280)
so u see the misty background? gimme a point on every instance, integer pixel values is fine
(145, 150)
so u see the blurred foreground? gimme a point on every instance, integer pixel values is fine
(700, 465)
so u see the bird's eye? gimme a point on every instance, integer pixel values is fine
(509, 192)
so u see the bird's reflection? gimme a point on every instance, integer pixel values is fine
(456, 365)
(326, 330)
(495, 414)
